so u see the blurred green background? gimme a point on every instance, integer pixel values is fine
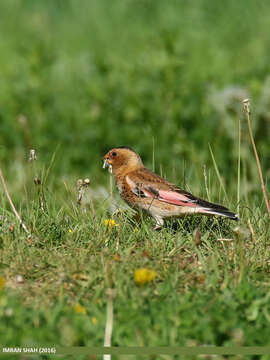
(164, 77)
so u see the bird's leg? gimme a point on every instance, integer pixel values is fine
(137, 218)
(159, 222)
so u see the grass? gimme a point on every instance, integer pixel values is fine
(209, 289)
(71, 88)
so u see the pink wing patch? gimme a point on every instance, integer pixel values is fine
(170, 197)
(176, 198)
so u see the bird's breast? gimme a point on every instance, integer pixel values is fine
(125, 191)
(121, 185)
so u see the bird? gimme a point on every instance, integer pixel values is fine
(144, 190)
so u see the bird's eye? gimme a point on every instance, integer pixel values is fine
(114, 154)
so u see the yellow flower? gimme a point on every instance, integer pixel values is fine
(116, 257)
(143, 276)
(94, 320)
(110, 222)
(79, 309)
(2, 282)
(69, 230)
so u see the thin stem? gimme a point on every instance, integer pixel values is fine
(109, 322)
(111, 187)
(251, 231)
(239, 165)
(12, 205)
(218, 173)
(247, 111)
(205, 182)
(153, 155)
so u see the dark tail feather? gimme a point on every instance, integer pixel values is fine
(206, 207)
(221, 212)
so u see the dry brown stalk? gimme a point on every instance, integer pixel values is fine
(82, 186)
(12, 205)
(37, 181)
(251, 231)
(247, 111)
(224, 239)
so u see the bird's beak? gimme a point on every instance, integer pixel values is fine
(107, 163)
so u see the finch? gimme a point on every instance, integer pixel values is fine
(144, 190)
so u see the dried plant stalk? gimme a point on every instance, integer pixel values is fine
(12, 205)
(251, 231)
(109, 322)
(82, 186)
(247, 111)
(37, 181)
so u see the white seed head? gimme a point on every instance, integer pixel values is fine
(19, 279)
(32, 155)
(246, 106)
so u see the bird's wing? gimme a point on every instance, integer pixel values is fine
(145, 184)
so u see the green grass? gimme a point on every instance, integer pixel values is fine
(167, 78)
(213, 290)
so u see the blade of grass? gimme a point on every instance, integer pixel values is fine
(153, 154)
(50, 165)
(205, 182)
(217, 172)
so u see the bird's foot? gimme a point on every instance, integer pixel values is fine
(157, 227)
(159, 222)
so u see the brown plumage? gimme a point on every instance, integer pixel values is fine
(143, 189)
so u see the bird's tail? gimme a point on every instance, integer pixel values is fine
(221, 212)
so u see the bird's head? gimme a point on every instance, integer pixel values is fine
(122, 160)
